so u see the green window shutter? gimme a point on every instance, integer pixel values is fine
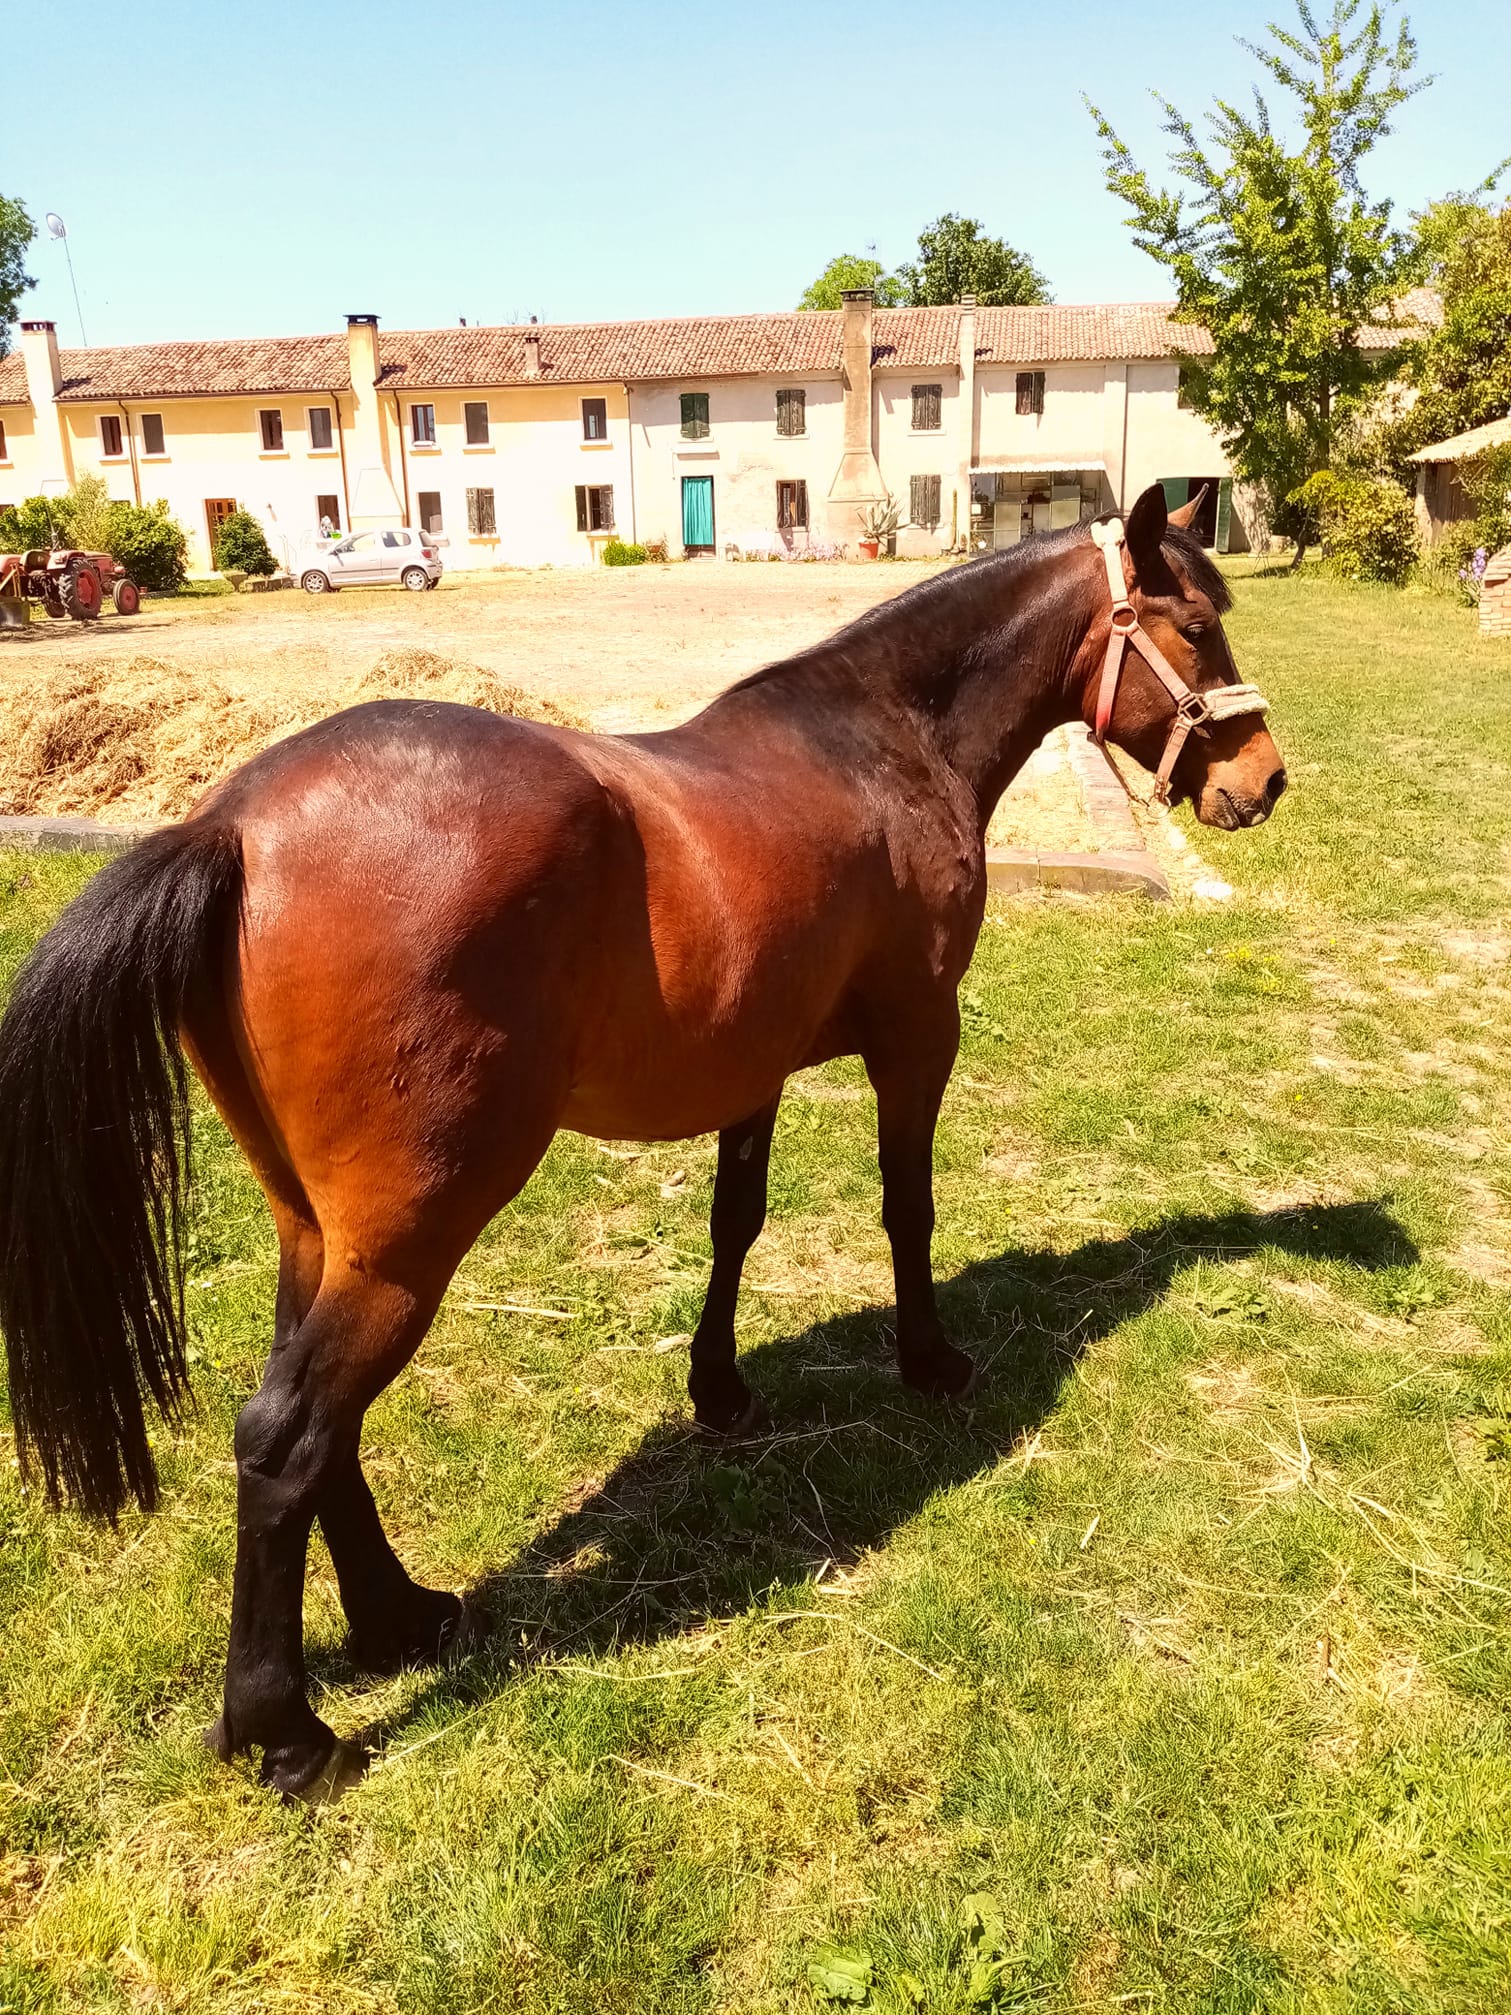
(582, 507)
(1176, 489)
(1224, 513)
(694, 415)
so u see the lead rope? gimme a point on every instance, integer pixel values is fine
(1193, 710)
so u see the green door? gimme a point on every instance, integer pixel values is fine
(1177, 489)
(698, 514)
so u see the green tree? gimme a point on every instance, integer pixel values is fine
(955, 259)
(1462, 370)
(1277, 251)
(16, 232)
(851, 270)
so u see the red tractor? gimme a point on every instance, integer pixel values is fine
(66, 583)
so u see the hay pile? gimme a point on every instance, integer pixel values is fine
(143, 739)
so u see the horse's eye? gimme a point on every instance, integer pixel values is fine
(1194, 632)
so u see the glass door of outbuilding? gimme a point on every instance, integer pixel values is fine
(697, 514)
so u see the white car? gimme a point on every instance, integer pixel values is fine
(375, 559)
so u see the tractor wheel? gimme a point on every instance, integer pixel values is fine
(127, 597)
(80, 593)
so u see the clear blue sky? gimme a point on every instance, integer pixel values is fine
(263, 170)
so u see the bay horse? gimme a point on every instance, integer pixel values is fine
(405, 946)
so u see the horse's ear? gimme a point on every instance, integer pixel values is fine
(1185, 516)
(1145, 529)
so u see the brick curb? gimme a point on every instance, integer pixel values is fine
(69, 836)
(1126, 872)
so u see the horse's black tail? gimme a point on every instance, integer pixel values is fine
(94, 1148)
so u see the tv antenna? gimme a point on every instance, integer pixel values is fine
(56, 228)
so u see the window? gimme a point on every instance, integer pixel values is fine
(480, 519)
(694, 416)
(792, 507)
(328, 512)
(271, 423)
(792, 411)
(430, 512)
(1185, 388)
(110, 434)
(392, 539)
(595, 419)
(926, 409)
(923, 501)
(475, 414)
(2, 447)
(320, 426)
(422, 426)
(595, 506)
(1031, 392)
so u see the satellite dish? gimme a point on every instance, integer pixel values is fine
(55, 225)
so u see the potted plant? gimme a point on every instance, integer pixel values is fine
(878, 525)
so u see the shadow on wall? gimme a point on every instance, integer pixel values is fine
(684, 1530)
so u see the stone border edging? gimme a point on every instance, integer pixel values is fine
(69, 836)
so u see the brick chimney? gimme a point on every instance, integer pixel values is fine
(965, 447)
(532, 353)
(44, 380)
(857, 480)
(374, 496)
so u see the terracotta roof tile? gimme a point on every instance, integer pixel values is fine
(687, 346)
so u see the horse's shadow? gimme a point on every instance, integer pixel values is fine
(684, 1530)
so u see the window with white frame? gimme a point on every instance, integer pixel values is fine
(475, 417)
(595, 507)
(792, 507)
(270, 422)
(320, 426)
(791, 410)
(110, 434)
(1031, 393)
(595, 419)
(152, 434)
(422, 426)
(928, 414)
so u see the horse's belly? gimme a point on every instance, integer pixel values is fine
(671, 1089)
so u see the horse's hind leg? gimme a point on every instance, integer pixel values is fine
(394, 1621)
(296, 1442)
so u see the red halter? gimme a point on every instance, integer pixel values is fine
(1192, 709)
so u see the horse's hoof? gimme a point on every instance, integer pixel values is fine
(467, 1634)
(946, 1373)
(749, 1419)
(320, 1783)
(218, 1741)
(434, 1637)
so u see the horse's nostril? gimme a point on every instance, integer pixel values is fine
(1275, 786)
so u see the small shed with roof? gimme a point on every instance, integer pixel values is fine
(1441, 498)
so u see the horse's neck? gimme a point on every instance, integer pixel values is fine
(1020, 676)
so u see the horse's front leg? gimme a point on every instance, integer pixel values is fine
(909, 1070)
(721, 1399)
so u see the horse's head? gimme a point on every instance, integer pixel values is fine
(1215, 750)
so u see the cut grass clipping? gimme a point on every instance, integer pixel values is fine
(1172, 1676)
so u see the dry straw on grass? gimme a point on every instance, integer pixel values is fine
(144, 739)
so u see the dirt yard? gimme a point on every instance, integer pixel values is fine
(621, 649)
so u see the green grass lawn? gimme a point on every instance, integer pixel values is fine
(1171, 1677)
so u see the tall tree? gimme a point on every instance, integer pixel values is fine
(954, 258)
(1462, 370)
(847, 271)
(1276, 249)
(16, 232)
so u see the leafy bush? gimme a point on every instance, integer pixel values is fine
(618, 554)
(148, 543)
(31, 526)
(1369, 529)
(240, 544)
(151, 546)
